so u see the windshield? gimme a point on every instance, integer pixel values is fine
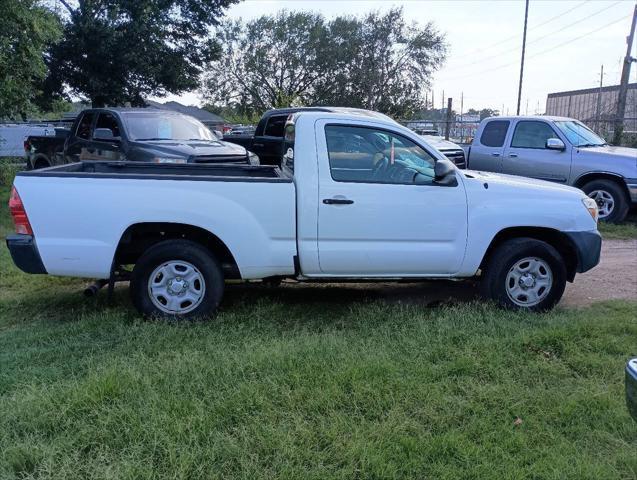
(153, 126)
(579, 134)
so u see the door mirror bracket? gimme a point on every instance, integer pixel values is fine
(555, 144)
(104, 134)
(444, 173)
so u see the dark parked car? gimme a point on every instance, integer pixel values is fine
(135, 134)
(267, 140)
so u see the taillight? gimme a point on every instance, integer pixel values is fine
(19, 214)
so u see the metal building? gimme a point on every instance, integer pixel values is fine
(595, 107)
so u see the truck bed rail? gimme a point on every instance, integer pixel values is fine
(154, 171)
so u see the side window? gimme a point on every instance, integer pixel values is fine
(84, 127)
(275, 126)
(368, 155)
(532, 135)
(494, 133)
(108, 120)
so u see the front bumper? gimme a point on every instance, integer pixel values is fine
(631, 387)
(631, 184)
(588, 246)
(24, 253)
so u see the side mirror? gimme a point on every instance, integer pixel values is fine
(555, 144)
(104, 134)
(442, 169)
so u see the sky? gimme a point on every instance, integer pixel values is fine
(567, 42)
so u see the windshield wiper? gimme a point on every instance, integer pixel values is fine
(584, 145)
(150, 139)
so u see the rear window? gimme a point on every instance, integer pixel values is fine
(494, 133)
(275, 126)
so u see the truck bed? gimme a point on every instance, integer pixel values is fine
(80, 211)
(154, 171)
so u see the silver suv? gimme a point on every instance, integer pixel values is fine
(561, 150)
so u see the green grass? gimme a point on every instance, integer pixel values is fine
(621, 231)
(313, 383)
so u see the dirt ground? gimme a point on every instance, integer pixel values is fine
(614, 278)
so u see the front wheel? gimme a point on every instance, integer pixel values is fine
(524, 274)
(611, 200)
(177, 278)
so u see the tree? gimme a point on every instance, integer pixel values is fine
(272, 61)
(117, 51)
(27, 28)
(378, 62)
(484, 113)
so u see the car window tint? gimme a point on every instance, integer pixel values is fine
(532, 135)
(368, 155)
(275, 126)
(108, 120)
(494, 133)
(84, 127)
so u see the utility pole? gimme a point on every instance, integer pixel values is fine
(461, 108)
(448, 125)
(623, 86)
(526, 17)
(599, 100)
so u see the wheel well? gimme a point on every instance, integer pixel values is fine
(141, 236)
(589, 177)
(555, 238)
(41, 162)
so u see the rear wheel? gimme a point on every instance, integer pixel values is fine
(524, 274)
(177, 278)
(611, 200)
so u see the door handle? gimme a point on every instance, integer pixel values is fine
(337, 201)
(258, 145)
(494, 154)
(513, 155)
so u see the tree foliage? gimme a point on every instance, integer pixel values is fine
(379, 62)
(26, 29)
(117, 51)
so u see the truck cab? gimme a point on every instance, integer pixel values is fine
(560, 150)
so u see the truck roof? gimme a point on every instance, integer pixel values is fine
(531, 117)
(134, 110)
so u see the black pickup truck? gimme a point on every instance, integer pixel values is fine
(267, 141)
(134, 134)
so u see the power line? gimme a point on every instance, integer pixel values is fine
(541, 52)
(535, 40)
(499, 42)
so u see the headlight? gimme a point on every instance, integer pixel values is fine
(253, 159)
(591, 206)
(169, 160)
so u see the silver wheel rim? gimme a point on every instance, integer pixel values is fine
(176, 287)
(605, 202)
(529, 281)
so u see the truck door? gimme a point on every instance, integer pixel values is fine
(268, 145)
(103, 149)
(527, 154)
(78, 146)
(380, 212)
(487, 149)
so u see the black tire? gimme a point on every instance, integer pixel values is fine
(620, 201)
(501, 262)
(184, 251)
(41, 163)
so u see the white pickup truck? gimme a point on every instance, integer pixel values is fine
(357, 196)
